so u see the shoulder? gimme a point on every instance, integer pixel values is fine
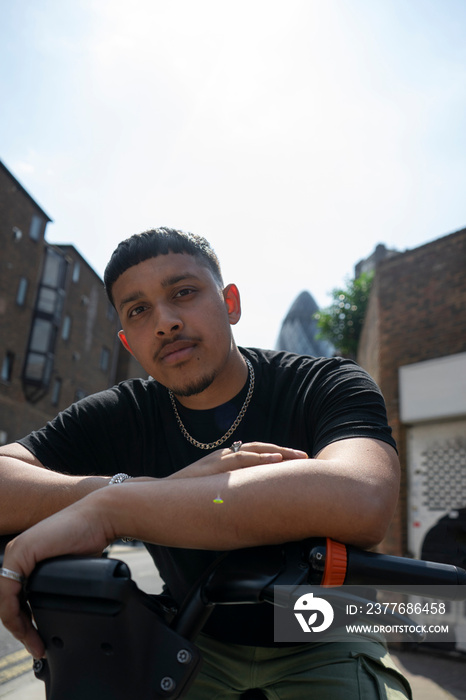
(101, 429)
(130, 390)
(277, 358)
(319, 368)
(313, 379)
(130, 397)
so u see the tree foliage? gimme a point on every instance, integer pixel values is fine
(341, 323)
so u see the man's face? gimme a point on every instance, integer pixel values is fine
(176, 320)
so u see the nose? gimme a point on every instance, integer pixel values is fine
(167, 321)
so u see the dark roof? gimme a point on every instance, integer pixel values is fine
(24, 191)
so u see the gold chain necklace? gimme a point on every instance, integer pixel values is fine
(231, 430)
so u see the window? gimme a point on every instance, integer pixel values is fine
(66, 328)
(104, 359)
(76, 272)
(39, 360)
(56, 389)
(47, 300)
(37, 224)
(80, 394)
(42, 335)
(22, 291)
(35, 367)
(54, 269)
(7, 367)
(46, 322)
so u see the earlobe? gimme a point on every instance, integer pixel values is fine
(124, 342)
(233, 303)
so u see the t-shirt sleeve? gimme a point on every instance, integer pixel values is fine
(347, 403)
(99, 435)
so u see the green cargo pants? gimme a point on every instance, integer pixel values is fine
(361, 670)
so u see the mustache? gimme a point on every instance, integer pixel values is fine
(174, 344)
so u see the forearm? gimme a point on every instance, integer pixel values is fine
(260, 505)
(30, 493)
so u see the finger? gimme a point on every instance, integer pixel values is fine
(23, 629)
(17, 619)
(14, 609)
(33, 643)
(269, 447)
(243, 459)
(259, 457)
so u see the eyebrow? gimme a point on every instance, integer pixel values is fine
(167, 282)
(132, 297)
(174, 279)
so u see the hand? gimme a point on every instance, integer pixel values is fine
(77, 530)
(251, 454)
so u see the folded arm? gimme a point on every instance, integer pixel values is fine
(29, 492)
(348, 493)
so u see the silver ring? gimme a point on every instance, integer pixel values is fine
(236, 446)
(119, 479)
(8, 573)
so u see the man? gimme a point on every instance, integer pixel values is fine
(217, 442)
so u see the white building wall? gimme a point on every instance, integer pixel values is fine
(433, 407)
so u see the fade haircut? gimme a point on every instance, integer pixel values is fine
(158, 241)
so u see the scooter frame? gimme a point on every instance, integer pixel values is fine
(108, 640)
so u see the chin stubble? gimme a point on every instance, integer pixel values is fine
(196, 387)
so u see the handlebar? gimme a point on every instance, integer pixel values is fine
(97, 625)
(343, 564)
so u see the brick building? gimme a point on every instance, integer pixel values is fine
(414, 345)
(58, 339)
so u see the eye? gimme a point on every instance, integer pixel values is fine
(184, 292)
(136, 311)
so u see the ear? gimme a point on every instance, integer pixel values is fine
(124, 342)
(233, 303)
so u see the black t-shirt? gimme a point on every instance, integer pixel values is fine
(298, 401)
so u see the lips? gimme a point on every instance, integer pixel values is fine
(176, 351)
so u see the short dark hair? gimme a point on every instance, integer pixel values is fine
(158, 241)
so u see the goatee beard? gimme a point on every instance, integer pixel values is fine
(196, 387)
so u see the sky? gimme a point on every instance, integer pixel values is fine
(295, 135)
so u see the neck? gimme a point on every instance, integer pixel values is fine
(229, 381)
